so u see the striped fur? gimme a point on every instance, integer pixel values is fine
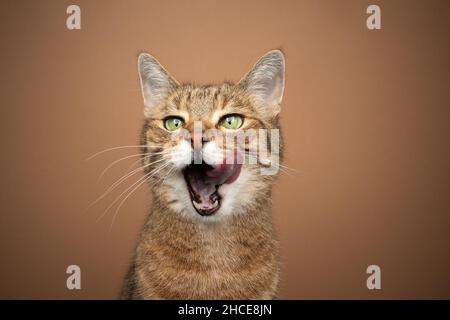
(233, 254)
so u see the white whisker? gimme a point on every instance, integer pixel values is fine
(126, 190)
(167, 175)
(117, 161)
(145, 178)
(123, 178)
(120, 147)
(147, 154)
(279, 165)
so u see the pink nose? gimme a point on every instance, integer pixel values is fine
(197, 140)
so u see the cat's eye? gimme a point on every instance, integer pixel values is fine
(231, 121)
(173, 123)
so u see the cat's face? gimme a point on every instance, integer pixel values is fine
(212, 151)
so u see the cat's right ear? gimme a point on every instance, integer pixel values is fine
(156, 82)
(265, 82)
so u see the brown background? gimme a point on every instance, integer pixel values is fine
(365, 117)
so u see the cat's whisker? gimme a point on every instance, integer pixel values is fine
(145, 178)
(286, 172)
(146, 165)
(279, 165)
(142, 159)
(117, 198)
(131, 156)
(117, 161)
(167, 175)
(149, 154)
(123, 201)
(289, 168)
(123, 178)
(159, 153)
(134, 163)
(115, 185)
(147, 175)
(120, 147)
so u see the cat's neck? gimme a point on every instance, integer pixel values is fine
(173, 226)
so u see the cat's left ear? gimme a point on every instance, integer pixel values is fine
(265, 81)
(156, 82)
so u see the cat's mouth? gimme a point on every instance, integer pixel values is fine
(203, 183)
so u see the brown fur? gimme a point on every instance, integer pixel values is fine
(177, 259)
(183, 257)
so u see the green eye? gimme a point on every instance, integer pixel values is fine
(231, 121)
(173, 123)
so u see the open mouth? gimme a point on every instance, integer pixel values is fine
(204, 181)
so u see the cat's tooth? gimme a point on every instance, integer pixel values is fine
(196, 205)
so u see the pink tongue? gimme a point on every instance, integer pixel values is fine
(226, 172)
(203, 179)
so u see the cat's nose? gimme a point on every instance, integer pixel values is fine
(198, 139)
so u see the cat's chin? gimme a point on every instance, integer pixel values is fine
(203, 182)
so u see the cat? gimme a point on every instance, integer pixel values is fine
(210, 233)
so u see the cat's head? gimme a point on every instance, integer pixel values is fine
(212, 151)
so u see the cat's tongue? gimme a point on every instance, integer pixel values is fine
(203, 181)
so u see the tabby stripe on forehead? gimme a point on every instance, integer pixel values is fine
(216, 94)
(189, 96)
(177, 100)
(183, 102)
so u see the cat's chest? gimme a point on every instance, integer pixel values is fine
(185, 262)
(210, 253)
(211, 270)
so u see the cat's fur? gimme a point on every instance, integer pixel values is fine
(232, 254)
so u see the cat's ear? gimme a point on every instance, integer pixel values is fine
(265, 81)
(156, 82)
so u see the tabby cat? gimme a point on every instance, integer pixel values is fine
(210, 233)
